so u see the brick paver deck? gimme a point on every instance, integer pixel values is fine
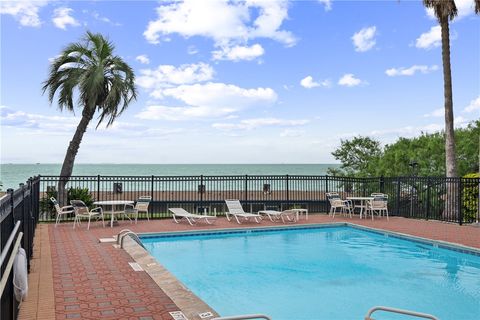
(93, 280)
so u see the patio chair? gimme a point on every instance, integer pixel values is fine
(273, 215)
(379, 205)
(235, 209)
(141, 206)
(180, 213)
(337, 203)
(82, 211)
(379, 194)
(61, 211)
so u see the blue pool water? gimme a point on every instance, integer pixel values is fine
(322, 273)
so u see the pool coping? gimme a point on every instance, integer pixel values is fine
(195, 308)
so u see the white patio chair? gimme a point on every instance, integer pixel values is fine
(180, 213)
(61, 211)
(337, 203)
(141, 206)
(235, 209)
(378, 205)
(82, 211)
(273, 215)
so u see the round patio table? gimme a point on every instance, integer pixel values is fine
(363, 203)
(113, 203)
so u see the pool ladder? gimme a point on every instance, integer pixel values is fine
(244, 317)
(400, 311)
(127, 232)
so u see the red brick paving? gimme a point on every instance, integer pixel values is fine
(93, 280)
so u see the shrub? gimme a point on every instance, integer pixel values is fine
(80, 194)
(470, 197)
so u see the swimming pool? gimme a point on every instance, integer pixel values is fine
(321, 273)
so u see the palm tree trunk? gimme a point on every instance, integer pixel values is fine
(68, 162)
(451, 199)
(450, 158)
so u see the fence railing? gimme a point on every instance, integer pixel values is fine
(21, 205)
(438, 198)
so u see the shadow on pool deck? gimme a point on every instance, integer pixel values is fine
(93, 280)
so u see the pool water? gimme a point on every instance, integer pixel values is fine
(322, 273)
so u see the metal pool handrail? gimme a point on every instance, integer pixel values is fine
(3, 256)
(401, 311)
(245, 317)
(132, 235)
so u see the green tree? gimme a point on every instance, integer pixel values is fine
(358, 156)
(445, 11)
(103, 82)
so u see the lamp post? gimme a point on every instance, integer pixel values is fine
(413, 165)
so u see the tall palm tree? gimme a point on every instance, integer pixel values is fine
(99, 80)
(445, 11)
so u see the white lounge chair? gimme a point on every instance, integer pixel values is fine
(61, 211)
(273, 215)
(337, 203)
(180, 213)
(378, 205)
(82, 211)
(235, 209)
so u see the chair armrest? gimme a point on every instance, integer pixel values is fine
(129, 205)
(69, 208)
(97, 208)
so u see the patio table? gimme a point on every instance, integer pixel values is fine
(113, 203)
(363, 202)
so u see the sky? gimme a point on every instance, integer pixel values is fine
(238, 81)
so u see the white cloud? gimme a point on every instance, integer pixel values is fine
(440, 112)
(249, 124)
(143, 58)
(98, 17)
(364, 39)
(309, 83)
(62, 18)
(237, 53)
(327, 4)
(25, 12)
(292, 133)
(165, 76)
(430, 39)
(182, 113)
(20, 119)
(464, 7)
(192, 50)
(349, 80)
(220, 95)
(228, 24)
(473, 106)
(392, 72)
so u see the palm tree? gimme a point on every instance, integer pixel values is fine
(101, 80)
(445, 11)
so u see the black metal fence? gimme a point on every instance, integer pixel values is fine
(19, 205)
(446, 199)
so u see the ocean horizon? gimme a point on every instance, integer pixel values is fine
(11, 174)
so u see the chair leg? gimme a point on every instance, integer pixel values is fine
(103, 220)
(88, 226)
(58, 219)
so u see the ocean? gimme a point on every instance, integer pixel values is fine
(13, 174)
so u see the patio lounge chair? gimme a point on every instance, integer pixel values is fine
(235, 209)
(61, 211)
(337, 203)
(140, 206)
(180, 213)
(82, 211)
(273, 215)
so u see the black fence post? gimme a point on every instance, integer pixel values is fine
(382, 184)
(98, 188)
(428, 197)
(151, 187)
(459, 201)
(398, 197)
(288, 190)
(12, 205)
(246, 188)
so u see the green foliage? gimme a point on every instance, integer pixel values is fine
(80, 194)
(470, 198)
(46, 205)
(358, 156)
(363, 156)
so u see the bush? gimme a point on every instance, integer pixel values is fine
(46, 206)
(470, 197)
(80, 194)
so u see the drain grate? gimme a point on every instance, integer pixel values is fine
(135, 266)
(178, 315)
(205, 315)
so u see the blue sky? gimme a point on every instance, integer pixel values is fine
(241, 81)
